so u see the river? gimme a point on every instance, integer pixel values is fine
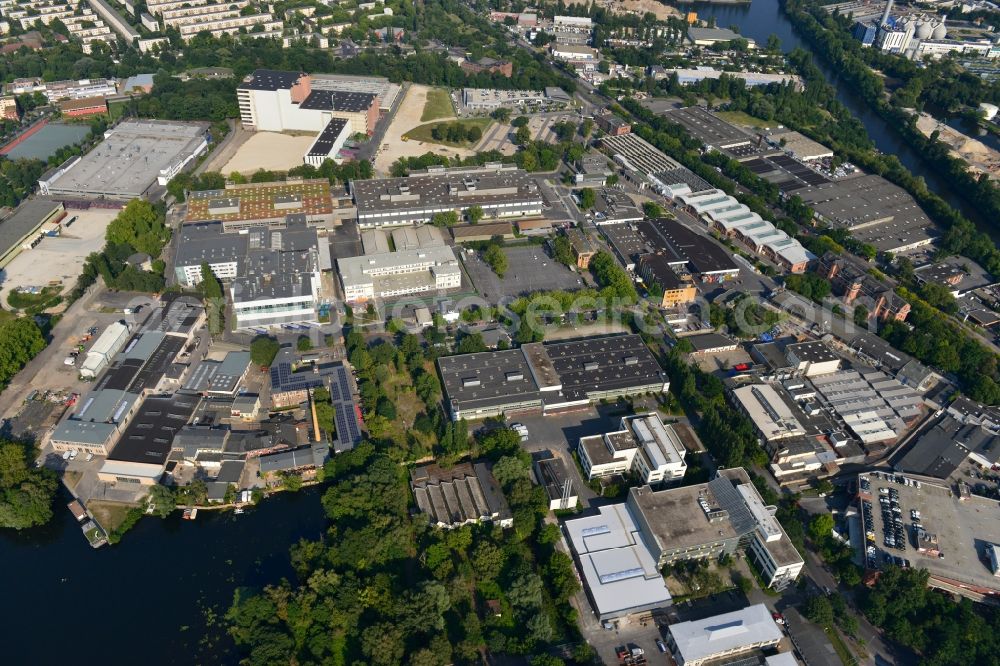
(148, 599)
(763, 18)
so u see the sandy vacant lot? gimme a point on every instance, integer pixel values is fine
(980, 157)
(270, 151)
(59, 258)
(411, 108)
(638, 7)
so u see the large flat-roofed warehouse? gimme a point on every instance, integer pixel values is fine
(262, 204)
(697, 253)
(28, 222)
(140, 456)
(620, 573)
(937, 526)
(708, 128)
(874, 210)
(133, 160)
(499, 191)
(549, 377)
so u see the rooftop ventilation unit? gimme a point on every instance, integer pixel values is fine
(470, 381)
(591, 365)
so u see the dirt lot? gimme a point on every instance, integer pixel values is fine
(270, 151)
(638, 7)
(408, 117)
(58, 259)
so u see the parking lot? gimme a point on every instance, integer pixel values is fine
(530, 269)
(962, 528)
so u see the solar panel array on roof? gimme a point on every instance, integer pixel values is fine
(730, 499)
(345, 411)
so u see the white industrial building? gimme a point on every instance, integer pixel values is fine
(735, 220)
(772, 417)
(643, 444)
(329, 142)
(620, 573)
(574, 52)
(722, 636)
(400, 273)
(275, 101)
(812, 358)
(104, 349)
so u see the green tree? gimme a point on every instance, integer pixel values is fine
(140, 226)
(818, 609)
(652, 209)
(263, 349)
(522, 136)
(820, 527)
(562, 251)
(303, 344)
(163, 500)
(291, 481)
(474, 213)
(215, 301)
(448, 219)
(26, 492)
(587, 198)
(496, 259)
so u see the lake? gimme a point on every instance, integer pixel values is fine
(151, 594)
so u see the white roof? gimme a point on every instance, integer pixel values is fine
(781, 659)
(769, 413)
(618, 568)
(125, 468)
(726, 633)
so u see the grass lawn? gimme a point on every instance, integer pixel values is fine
(109, 515)
(423, 132)
(35, 303)
(438, 105)
(745, 119)
(117, 109)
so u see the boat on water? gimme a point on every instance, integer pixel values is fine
(239, 511)
(190, 514)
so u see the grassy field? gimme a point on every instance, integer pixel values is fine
(108, 514)
(438, 105)
(423, 132)
(745, 119)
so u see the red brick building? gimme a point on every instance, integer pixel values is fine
(491, 65)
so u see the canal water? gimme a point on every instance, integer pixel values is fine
(762, 18)
(150, 599)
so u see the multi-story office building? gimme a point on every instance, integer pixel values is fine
(643, 445)
(390, 274)
(273, 274)
(276, 101)
(709, 519)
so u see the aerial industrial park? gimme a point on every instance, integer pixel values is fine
(451, 334)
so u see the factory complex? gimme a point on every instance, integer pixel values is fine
(136, 159)
(549, 377)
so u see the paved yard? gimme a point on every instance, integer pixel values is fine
(530, 269)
